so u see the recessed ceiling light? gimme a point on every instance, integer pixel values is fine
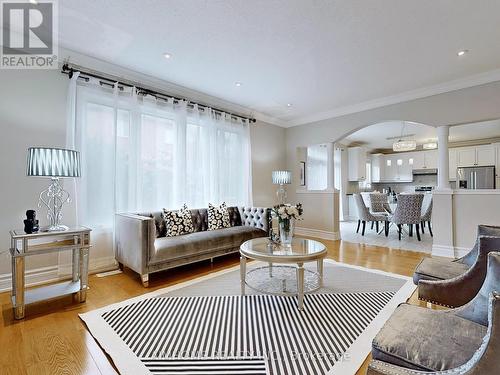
(289, 105)
(34, 2)
(238, 84)
(462, 52)
(167, 55)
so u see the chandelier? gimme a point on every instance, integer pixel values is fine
(404, 144)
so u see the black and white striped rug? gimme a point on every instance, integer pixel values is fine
(233, 334)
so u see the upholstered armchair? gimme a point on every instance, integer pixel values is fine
(365, 215)
(465, 340)
(408, 211)
(454, 283)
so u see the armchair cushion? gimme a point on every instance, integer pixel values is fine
(438, 269)
(427, 340)
(198, 243)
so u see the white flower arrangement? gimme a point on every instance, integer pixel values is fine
(287, 212)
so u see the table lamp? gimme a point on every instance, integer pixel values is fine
(55, 163)
(281, 178)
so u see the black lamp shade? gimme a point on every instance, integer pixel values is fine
(53, 162)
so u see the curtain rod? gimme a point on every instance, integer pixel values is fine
(69, 69)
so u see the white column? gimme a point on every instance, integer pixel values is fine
(330, 167)
(443, 158)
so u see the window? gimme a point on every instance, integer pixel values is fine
(142, 157)
(317, 167)
(367, 183)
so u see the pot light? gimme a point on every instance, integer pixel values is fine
(167, 55)
(462, 52)
(289, 105)
(34, 2)
(237, 84)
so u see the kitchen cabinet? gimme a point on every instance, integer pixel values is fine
(357, 163)
(476, 156)
(466, 157)
(397, 167)
(485, 155)
(497, 164)
(431, 159)
(452, 155)
(425, 159)
(353, 213)
(377, 165)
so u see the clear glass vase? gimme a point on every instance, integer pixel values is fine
(286, 231)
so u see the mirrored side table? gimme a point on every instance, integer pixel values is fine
(75, 239)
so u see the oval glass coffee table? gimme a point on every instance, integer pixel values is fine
(289, 277)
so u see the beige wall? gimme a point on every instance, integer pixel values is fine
(268, 154)
(33, 113)
(471, 208)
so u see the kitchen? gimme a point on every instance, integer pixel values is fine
(373, 164)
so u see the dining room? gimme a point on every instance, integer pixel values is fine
(386, 174)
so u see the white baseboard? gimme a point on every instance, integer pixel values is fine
(96, 265)
(323, 234)
(50, 274)
(33, 277)
(449, 251)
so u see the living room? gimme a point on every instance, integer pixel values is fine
(174, 187)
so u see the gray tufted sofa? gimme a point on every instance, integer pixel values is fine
(141, 243)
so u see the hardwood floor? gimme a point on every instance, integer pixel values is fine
(53, 340)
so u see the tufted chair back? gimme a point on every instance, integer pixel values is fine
(377, 202)
(409, 209)
(257, 217)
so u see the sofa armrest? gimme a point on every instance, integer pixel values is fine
(134, 240)
(257, 217)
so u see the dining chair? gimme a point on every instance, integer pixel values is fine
(408, 211)
(365, 215)
(426, 214)
(377, 202)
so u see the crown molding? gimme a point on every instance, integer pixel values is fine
(458, 84)
(178, 90)
(90, 62)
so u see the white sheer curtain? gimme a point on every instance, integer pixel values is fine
(142, 154)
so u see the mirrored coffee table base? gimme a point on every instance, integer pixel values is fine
(281, 280)
(283, 272)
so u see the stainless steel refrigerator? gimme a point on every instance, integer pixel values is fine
(476, 178)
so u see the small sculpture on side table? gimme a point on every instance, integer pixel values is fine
(31, 223)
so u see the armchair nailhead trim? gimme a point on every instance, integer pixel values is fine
(435, 303)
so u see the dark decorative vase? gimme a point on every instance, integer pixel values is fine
(31, 223)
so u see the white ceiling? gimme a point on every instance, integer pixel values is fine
(320, 56)
(375, 136)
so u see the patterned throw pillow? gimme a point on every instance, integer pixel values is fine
(218, 217)
(178, 222)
